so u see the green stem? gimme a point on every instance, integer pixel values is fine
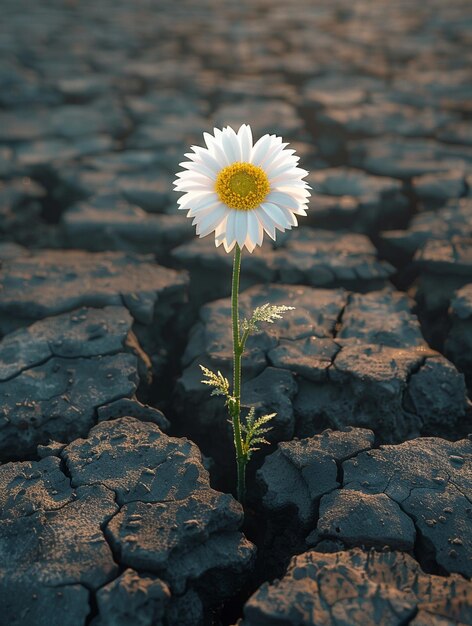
(238, 348)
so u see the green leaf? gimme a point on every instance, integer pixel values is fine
(219, 383)
(253, 430)
(263, 420)
(265, 313)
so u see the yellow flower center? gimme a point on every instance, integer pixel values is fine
(242, 186)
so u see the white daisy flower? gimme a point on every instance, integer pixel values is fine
(240, 190)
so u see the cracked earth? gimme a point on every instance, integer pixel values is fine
(117, 499)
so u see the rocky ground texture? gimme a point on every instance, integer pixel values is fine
(117, 499)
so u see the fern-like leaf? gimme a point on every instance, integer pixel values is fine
(265, 313)
(219, 382)
(253, 430)
(246, 426)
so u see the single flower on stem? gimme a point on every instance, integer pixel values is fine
(240, 190)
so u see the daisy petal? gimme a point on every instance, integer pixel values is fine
(278, 172)
(288, 174)
(292, 182)
(284, 158)
(192, 199)
(249, 245)
(200, 168)
(254, 229)
(203, 156)
(184, 186)
(259, 149)
(275, 148)
(220, 237)
(193, 177)
(266, 221)
(299, 210)
(231, 145)
(277, 215)
(245, 142)
(289, 215)
(279, 197)
(203, 209)
(208, 223)
(231, 228)
(215, 148)
(240, 226)
(228, 246)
